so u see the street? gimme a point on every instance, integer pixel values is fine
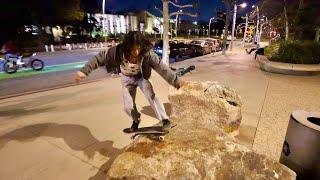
(64, 57)
(60, 68)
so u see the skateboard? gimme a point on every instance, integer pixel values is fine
(183, 71)
(158, 135)
(154, 132)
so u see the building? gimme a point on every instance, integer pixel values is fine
(134, 21)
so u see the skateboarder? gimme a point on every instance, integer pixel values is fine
(135, 58)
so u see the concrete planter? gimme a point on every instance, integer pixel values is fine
(287, 68)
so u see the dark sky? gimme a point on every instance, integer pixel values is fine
(206, 9)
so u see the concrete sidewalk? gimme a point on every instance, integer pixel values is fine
(76, 132)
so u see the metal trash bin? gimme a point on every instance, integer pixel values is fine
(301, 148)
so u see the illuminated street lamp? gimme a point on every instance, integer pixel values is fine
(243, 5)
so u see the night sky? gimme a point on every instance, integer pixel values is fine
(206, 9)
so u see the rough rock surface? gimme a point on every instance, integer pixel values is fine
(208, 103)
(194, 151)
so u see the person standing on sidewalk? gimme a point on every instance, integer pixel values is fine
(135, 58)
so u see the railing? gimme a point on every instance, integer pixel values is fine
(74, 46)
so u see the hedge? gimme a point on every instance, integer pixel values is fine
(296, 52)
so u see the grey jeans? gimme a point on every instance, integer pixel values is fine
(129, 89)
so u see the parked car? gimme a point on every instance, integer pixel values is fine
(178, 50)
(200, 47)
(214, 44)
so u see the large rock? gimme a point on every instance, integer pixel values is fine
(194, 151)
(208, 103)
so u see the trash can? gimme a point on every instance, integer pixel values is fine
(301, 148)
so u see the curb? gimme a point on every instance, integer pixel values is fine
(287, 68)
(50, 88)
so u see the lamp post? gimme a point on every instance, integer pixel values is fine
(245, 32)
(258, 23)
(176, 24)
(209, 33)
(243, 5)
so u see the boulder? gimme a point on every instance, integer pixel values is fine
(197, 148)
(194, 152)
(208, 103)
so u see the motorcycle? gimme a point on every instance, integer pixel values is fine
(13, 63)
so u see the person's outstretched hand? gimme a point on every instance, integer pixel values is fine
(80, 76)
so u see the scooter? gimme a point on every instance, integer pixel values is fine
(13, 63)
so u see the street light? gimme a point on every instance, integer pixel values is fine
(243, 5)
(210, 25)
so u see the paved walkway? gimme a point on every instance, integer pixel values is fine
(76, 132)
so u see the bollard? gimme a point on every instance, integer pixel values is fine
(68, 47)
(301, 148)
(101, 45)
(85, 46)
(52, 48)
(47, 48)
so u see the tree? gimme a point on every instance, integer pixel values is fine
(228, 11)
(286, 19)
(15, 13)
(299, 19)
(166, 17)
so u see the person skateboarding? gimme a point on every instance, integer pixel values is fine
(135, 58)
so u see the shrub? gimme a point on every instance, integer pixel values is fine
(296, 52)
(271, 49)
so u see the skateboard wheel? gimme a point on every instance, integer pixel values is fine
(161, 138)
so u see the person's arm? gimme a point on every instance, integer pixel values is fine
(100, 59)
(164, 71)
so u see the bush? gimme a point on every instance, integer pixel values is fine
(296, 52)
(271, 49)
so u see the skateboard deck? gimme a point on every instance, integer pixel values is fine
(183, 71)
(159, 135)
(153, 132)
